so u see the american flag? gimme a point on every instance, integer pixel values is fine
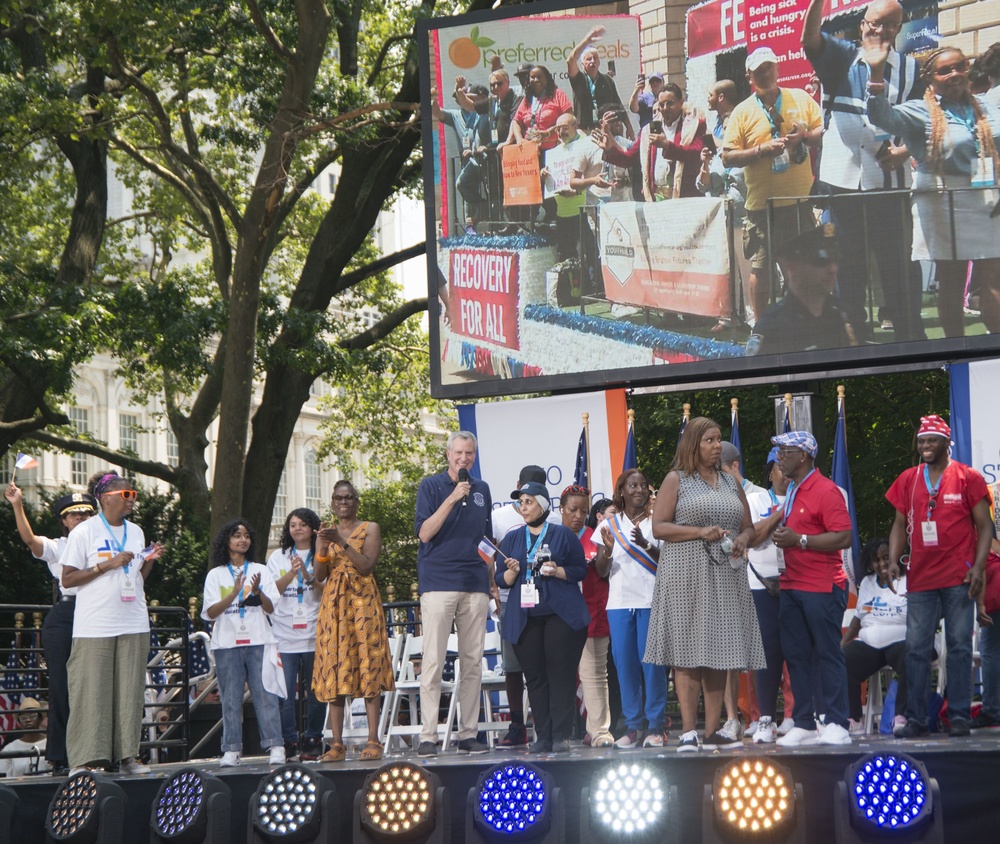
(198, 665)
(157, 674)
(30, 679)
(10, 697)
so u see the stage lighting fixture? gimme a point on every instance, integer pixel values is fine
(191, 807)
(8, 809)
(888, 795)
(292, 805)
(401, 802)
(87, 809)
(754, 798)
(628, 801)
(514, 801)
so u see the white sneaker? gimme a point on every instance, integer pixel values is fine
(230, 759)
(733, 727)
(766, 732)
(633, 738)
(797, 737)
(133, 766)
(688, 742)
(855, 727)
(654, 739)
(834, 734)
(277, 755)
(752, 728)
(786, 726)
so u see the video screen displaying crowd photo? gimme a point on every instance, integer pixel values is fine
(593, 219)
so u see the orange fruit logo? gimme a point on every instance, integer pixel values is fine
(465, 52)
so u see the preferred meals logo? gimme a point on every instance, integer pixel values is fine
(619, 254)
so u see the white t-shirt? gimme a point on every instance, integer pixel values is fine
(765, 557)
(882, 613)
(226, 632)
(630, 586)
(23, 765)
(294, 622)
(52, 550)
(100, 611)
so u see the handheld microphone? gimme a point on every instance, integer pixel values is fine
(463, 477)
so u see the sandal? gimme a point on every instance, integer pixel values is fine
(372, 752)
(336, 753)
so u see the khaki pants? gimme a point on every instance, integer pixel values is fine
(107, 681)
(594, 679)
(437, 612)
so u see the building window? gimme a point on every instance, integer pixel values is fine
(314, 483)
(173, 451)
(128, 432)
(79, 462)
(281, 500)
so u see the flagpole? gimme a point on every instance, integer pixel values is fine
(841, 395)
(687, 413)
(788, 410)
(586, 436)
(734, 412)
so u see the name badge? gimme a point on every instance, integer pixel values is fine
(780, 553)
(529, 595)
(928, 531)
(299, 619)
(494, 137)
(779, 164)
(128, 588)
(983, 177)
(242, 636)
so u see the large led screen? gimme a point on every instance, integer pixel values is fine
(588, 225)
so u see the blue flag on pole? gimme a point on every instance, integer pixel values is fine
(630, 461)
(786, 426)
(841, 476)
(581, 476)
(734, 436)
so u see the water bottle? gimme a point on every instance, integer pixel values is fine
(543, 556)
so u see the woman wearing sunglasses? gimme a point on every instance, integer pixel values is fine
(106, 561)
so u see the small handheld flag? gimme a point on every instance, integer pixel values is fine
(487, 550)
(25, 461)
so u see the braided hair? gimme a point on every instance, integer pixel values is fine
(939, 123)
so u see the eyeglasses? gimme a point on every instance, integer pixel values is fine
(879, 26)
(126, 494)
(496, 84)
(789, 452)
(344, 498)
(958, 67)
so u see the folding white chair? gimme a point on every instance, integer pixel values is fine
(408, 687)
(493, 680)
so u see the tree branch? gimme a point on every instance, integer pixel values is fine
(71, 444)
(270, 36)
(15, 430)
(303, 183)
(384, 326)
(337, 120)
(383, 52)
(385, 262)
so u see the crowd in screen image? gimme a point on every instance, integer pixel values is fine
(725, 591)
(856, 201)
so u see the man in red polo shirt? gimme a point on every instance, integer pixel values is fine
(942, 508)
(811, 529)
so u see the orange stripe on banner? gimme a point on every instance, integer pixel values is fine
(617, 410)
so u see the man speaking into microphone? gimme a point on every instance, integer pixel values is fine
(453, 515)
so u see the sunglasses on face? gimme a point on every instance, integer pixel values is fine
(958, 67)
(126, 494)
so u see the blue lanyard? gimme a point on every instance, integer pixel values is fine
(932, 489)
(118, 547)
(967, 117)
(232, 571)
(793, 489)
(776, 109)
(309, 557)
(533, 548)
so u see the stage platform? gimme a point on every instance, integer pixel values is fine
(968, 771)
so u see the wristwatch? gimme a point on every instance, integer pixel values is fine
(803, 541)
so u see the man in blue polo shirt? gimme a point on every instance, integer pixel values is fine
(453, 515)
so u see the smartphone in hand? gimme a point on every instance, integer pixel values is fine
(656, 127)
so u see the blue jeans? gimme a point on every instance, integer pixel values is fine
(628, 644)
(810, 622)
(989, 650)
(292, 663)
(923, 611)
(236, 667)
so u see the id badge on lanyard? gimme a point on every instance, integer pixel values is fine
(128, 587)
(929, 534)
(780, 163)
(983, 176)
(299, 619)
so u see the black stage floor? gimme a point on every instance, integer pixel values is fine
(968, 771)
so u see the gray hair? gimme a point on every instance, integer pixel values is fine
(730, 453)
(462, 435)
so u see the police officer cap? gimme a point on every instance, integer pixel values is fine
(75, 502)
(816, 246)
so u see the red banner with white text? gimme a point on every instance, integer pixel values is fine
(483, 290)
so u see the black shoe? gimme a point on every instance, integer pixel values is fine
(291, 750)
(959, 729)
(517, 734)
(911, 729)
(984, 721)
(312, 749)
(471, 745)
(427, 748)
(720, 740)
(540, 747)
(560, 746)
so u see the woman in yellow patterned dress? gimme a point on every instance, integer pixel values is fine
(352, 648)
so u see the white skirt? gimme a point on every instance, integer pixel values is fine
(977, 235)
